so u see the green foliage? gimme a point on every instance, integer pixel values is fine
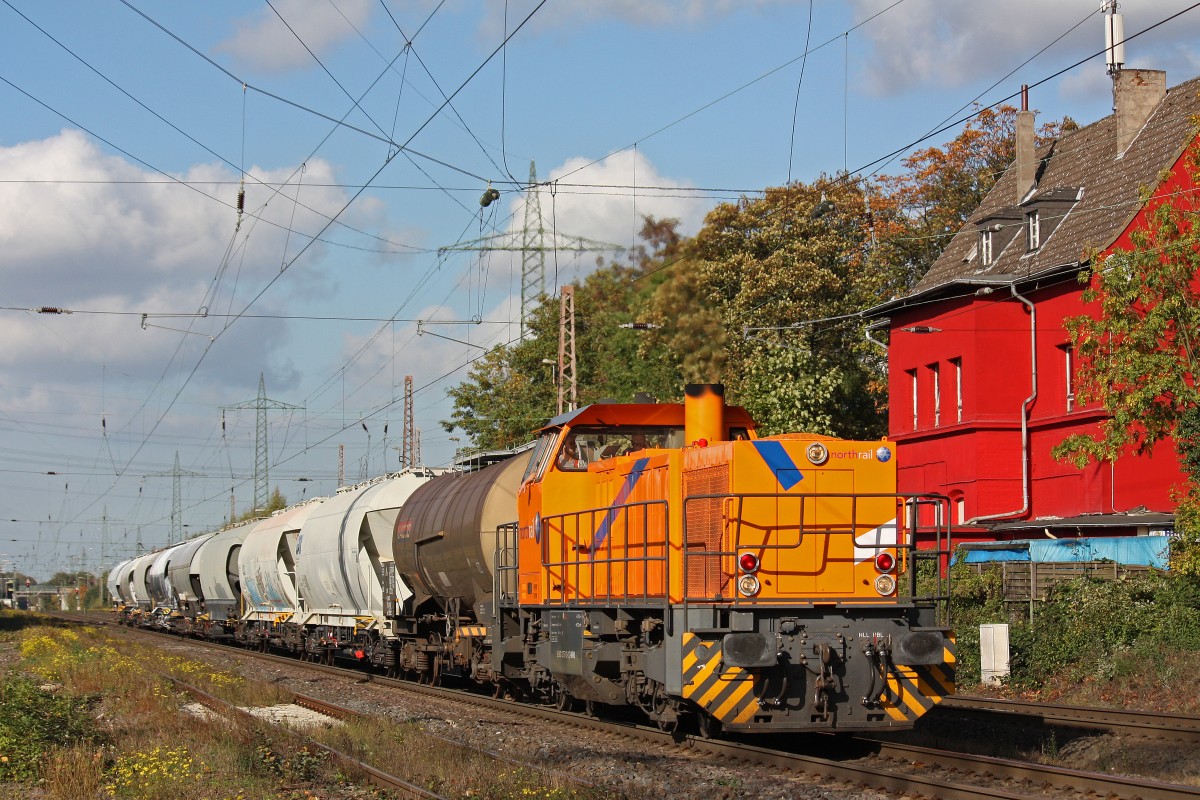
(511, 391)
(1088, 627)
(976, 598)
(766, 298)
(276, 502)
(33, 721)
(1138, 353)
(1185, 548)
(789, 272)
(788, 389)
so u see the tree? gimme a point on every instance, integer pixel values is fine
(276, 502)
(507, 393)
(1138, 353)
(511, 391)
(791, 271)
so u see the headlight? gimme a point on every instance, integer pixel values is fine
(885, 584)
(748, 585)
(817, 453)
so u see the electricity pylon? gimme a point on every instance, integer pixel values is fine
(407, 439)
(531, 242)
(567, 390)
(176, 503)
(261, 404)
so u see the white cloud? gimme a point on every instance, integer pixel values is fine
(925, 44)
(112, 239)
(661, 13)
(264, 42)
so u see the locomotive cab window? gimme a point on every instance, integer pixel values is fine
(587, 443)
(539, 456)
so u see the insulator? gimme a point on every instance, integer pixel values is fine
(489, 197)
(241, 201)
(52, 310)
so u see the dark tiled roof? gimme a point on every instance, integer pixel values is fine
(1084, 160)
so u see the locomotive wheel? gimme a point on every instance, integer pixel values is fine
(663, 705)
(708, 725)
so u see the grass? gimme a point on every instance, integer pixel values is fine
(85, 714)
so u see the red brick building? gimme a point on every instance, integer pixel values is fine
(980, 366)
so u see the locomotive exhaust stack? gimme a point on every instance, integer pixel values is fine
(704, 413)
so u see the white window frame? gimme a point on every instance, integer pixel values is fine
(985, 247)
(937, 395)
(1069, 373)
(912, 374)
(1033, 230)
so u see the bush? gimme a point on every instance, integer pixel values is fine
(1094, 629)
(34, 720)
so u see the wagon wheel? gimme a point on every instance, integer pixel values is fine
(589, 707)
(563, 700)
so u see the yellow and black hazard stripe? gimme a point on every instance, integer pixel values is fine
(727, 693)
(472, 630)
(912, 691)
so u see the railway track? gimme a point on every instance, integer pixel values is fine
(376, 777)
(1151, 724)
(885, 766)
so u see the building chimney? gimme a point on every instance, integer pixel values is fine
(1026, 161)
(1136, 93)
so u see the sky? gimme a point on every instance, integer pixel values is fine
(364, 134)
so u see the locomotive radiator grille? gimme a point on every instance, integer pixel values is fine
(703, 528)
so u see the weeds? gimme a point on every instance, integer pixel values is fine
(85, 715)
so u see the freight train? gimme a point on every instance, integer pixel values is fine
(663, 557)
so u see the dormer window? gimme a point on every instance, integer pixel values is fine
(985, 247)
(1033, 230)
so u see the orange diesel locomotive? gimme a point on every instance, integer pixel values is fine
(666, 557)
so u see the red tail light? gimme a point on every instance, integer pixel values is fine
(884, 562)
(748, 562)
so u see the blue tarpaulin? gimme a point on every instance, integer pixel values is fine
(1150, 551)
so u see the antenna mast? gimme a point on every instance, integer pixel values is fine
(1114, 43)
